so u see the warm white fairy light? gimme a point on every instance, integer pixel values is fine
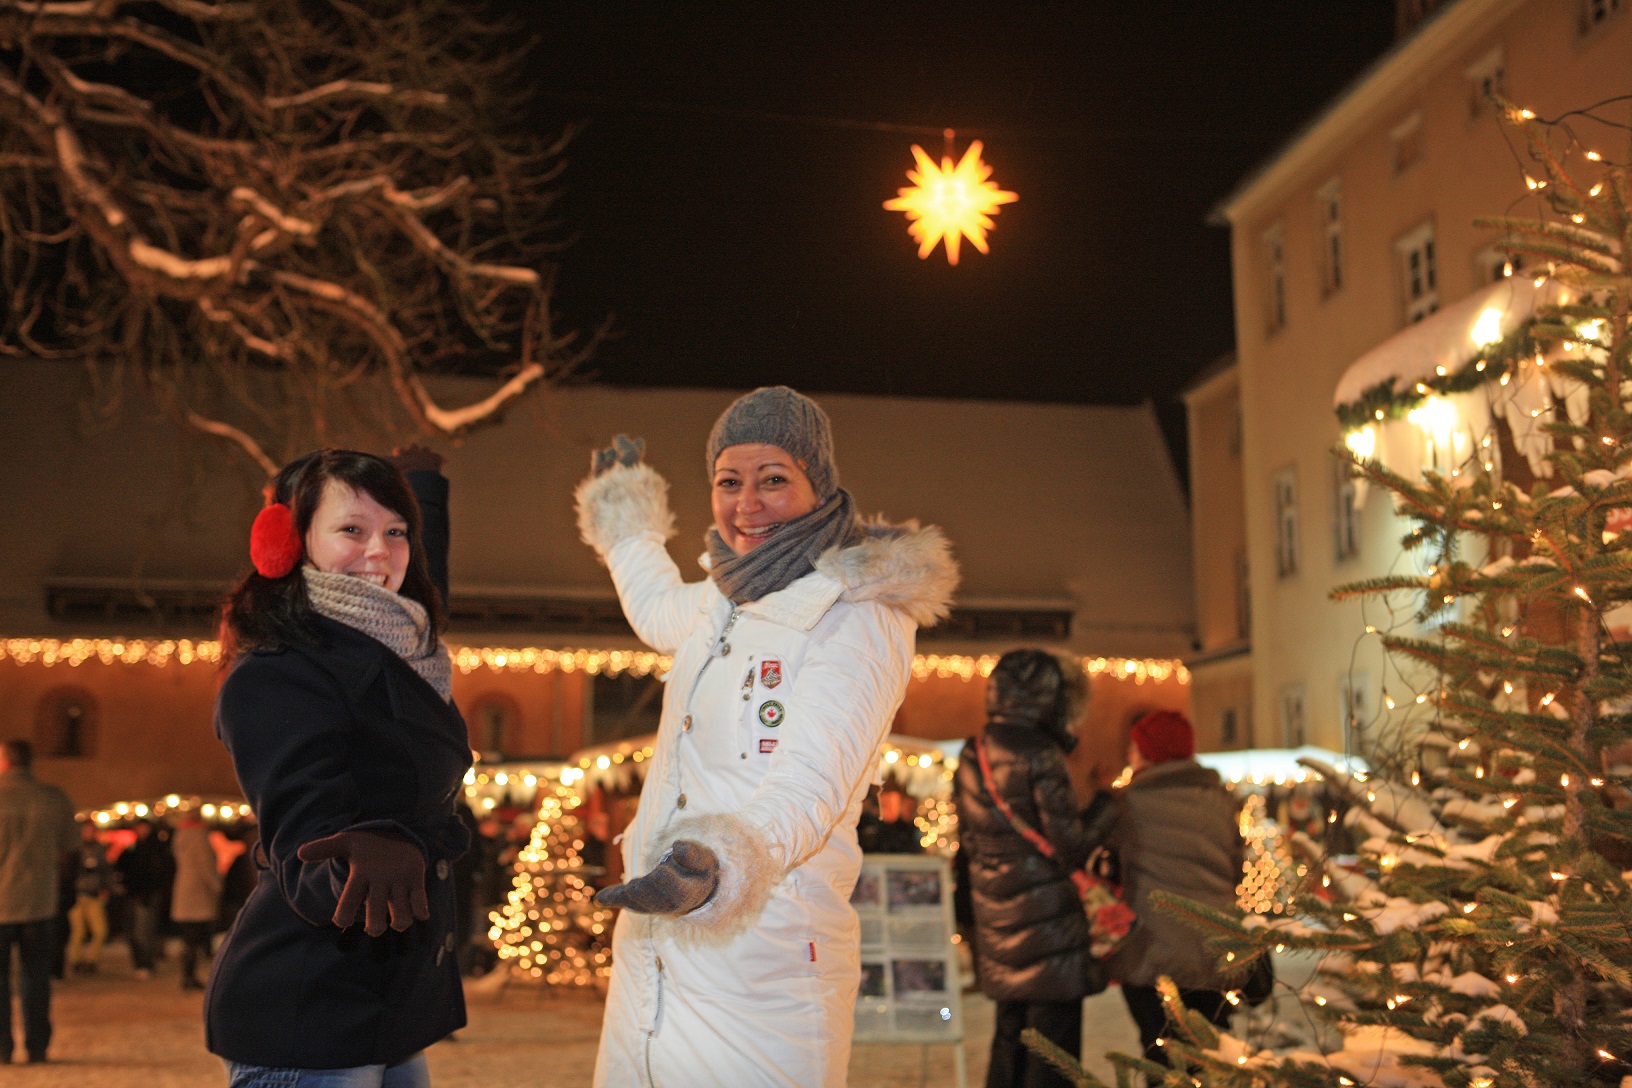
(468, 659)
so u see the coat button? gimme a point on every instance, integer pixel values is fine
(442, 869)
(680, 802)
(685, 726)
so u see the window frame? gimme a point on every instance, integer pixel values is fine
(1484, 77)
(1419, 283)
(1273, 243)
(1288, 553)
(1329, 202)
(1346, 513)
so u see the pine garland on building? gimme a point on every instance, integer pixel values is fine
(550, 929)
(1484, 940)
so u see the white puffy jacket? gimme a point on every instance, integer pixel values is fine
(772, 719)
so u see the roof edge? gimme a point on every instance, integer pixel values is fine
(1441, 33)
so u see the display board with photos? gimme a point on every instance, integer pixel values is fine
(910, 990)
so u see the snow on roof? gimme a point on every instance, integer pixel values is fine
(1446, 339)
(1275, 764)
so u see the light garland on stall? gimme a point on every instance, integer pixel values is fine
(468, 659)
(218, 810)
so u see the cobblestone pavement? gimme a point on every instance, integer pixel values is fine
(113, 1031)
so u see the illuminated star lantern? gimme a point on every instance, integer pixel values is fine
(950, 203)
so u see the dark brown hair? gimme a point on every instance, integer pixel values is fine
(275, 611)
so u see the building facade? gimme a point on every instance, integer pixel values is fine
(1346, 245)
(1068, 521)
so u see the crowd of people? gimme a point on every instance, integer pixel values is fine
(736, 951)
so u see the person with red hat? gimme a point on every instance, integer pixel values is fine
(1175, 832)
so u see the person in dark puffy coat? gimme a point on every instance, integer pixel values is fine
(1031, 937)
(1176, 832)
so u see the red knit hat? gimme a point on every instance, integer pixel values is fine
(1164, 735)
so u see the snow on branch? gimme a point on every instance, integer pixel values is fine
(356, 88)
(341, 215)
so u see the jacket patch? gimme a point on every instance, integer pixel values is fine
(767, 746)
(771, 713)
(770, 673)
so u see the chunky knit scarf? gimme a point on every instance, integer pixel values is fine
(399, 623)
(789, 554)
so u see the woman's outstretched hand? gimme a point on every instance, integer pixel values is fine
(385, 874)
(624, 451)
(684, 880)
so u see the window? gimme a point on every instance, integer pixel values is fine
(494, 721)
(1346, 512)
(1286, 522)
(1405, 143)
(1294, 722)
(624, 706)
(1330, 203)
(1419, 280)
(1275, 267)
(65, 724)
(1487, 78)
(1355, 708)
(1491, 264)
(1595, 13)
(1243, 596)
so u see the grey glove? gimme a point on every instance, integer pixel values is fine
(685, 879)
(623, 451)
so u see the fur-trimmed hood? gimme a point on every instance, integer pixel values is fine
(905, 567)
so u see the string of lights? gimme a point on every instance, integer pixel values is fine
(50, 652)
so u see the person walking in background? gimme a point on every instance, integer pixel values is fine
(195, 896)
(94, 882)
(1175, 832)
(37, 835)
(1031, 947)
(145, 871)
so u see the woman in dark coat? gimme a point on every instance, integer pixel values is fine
(340, 969)
(1031, 936)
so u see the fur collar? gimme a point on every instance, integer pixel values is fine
(906, 567)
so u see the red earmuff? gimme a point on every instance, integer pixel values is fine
(274, 545)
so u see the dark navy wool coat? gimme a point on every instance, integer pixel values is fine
(326, 738)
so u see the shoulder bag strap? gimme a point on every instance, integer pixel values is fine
(1027, 832)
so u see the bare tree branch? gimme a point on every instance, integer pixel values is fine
(320, 210)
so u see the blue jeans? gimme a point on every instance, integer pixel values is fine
(413, 1073)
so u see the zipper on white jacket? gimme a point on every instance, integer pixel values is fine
(657, 1022)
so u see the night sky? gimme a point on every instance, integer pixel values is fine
(736, 233)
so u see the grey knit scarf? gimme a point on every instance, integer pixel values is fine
(789, 554)
(399, 623)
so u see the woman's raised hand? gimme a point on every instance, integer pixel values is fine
(684, 880)
(624, 451)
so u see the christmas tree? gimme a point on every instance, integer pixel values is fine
(1484, 938)
(550, 929)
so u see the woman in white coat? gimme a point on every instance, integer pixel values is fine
(736, 958)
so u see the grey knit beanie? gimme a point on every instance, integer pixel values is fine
(778, 416)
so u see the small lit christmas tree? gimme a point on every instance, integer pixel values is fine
(549, 929)
(1485, 938)
(1269, 870)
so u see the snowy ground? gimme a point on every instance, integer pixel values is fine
(114, 1031)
